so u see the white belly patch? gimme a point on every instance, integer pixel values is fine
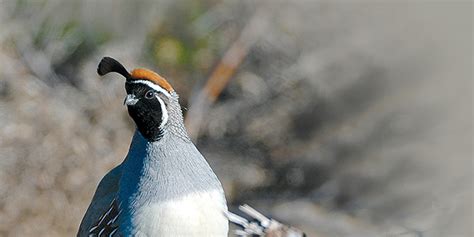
(197, 214)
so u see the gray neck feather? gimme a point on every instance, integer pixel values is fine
(165, 169)
(175, 123)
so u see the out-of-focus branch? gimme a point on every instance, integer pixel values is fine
(223, 72)
(262, 226)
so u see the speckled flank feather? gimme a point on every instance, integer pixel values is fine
(106, 224)
(145, 74)
(104, 195)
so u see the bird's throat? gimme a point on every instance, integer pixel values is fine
(148, 124)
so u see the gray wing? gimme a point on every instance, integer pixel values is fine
(103, 197)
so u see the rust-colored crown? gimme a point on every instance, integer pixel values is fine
(145, 74)
(108, 64)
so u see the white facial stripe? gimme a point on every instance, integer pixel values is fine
(153, 86)
(164, 116)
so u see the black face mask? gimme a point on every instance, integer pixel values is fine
(146, 112)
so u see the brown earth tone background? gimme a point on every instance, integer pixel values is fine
(346, 118)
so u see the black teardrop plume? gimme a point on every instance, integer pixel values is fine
(108, 64)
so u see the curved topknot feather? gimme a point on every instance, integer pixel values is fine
(108, 64)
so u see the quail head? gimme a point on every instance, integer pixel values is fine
(164, 187)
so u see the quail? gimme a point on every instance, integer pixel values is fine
(164, 187)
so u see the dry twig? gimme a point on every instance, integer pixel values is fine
(262, 226)
(223, 72)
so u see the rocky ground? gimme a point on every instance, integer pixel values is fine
(343, 119)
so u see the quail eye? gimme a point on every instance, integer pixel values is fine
(150, 94)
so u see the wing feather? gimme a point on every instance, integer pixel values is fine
(104, 195)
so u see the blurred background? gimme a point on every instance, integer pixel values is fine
(340, 118)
